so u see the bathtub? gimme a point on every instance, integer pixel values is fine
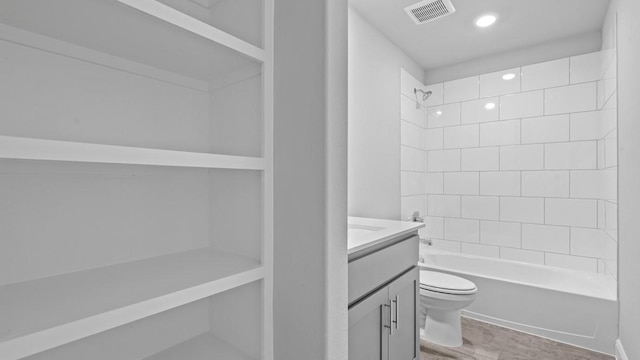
(568, 306)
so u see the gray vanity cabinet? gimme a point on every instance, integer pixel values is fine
(383, 322)
(368, 327)
(404, 295)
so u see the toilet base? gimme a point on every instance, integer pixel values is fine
(442, 327)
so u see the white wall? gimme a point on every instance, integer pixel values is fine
(628, 12)
(533, 178)
(310, 264)
(374, 129)
(569, 46)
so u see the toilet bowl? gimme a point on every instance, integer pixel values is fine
(442, 296)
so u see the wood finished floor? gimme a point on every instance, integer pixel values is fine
(484, 341)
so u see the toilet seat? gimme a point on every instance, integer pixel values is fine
(446, 283)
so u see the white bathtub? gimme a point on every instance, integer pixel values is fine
(569, 306)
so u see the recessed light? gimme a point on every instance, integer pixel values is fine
(486, 20)
(509, 76)
(490, 106)
(439, 112)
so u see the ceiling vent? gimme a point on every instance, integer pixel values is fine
(429, 10)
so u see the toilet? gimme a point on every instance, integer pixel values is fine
(442, 296)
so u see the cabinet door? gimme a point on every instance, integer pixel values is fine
(369, 324)
(404, 295)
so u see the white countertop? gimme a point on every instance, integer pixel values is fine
(366, 232)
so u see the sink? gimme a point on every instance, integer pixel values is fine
(358, 231)
(364, 227)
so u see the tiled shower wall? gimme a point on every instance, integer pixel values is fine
(521, 169)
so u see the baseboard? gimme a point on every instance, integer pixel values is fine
(620, 354)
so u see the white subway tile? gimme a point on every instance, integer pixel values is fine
(434, 183)
(587, 184)
(571, 262)
(581, 155)
(406, 158)
(407, 108)
(546, 238)
(420, 160)
(500, 233)
(545, 75)
(420, 116)
(481, 207)
(571, 212)
(409, 204)
(461, 90)
(527, 256)
(493, 84)
(500, 133)
(434, 226)
(462, 183)
(587, 67)
(570, 99)
(443, 205)
(522, 157)
(545, 183)
(446, 245)
(481, 159)
(528, 210)
(411, 135)
(434, 139)
(481, 250)
(443, 160)
(410, 159)
(587, 242)
(483, 110)
(464, 136)
(586, 126)
(545, 129)
(423, 182)
(404, 183)
(462, 230)
(443, 115)
(505, 183)
(437, 94)
(413, 183)
(528, 104)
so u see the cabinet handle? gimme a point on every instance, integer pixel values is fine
(390, 327)
(396, 321)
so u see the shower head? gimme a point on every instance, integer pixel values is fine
(425, 96)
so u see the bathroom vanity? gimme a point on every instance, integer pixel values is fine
(383, 289)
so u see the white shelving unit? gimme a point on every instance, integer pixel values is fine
(136, 152)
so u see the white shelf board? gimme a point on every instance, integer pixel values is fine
(186, 22)
(42, 314)
(55, 150)
(203, 347)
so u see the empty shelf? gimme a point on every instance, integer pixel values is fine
(40, 149)
(186, 22)
(203, 347)
(42, 314)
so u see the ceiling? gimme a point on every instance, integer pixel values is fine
(455, 39)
